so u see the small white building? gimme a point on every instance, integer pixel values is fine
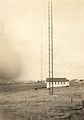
(57, 82)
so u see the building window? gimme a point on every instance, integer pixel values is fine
(67, 83)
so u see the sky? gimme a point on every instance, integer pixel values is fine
(24, 23)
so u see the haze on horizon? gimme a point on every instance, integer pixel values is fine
(23, 21)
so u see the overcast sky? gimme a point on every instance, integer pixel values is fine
(23, 22)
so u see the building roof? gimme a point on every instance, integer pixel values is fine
(57, 80)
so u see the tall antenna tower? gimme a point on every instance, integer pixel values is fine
(41, 56)
(41, 47)
(50, 40)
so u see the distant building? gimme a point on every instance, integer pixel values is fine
(57, 82)
(81, 81)
(74, 82)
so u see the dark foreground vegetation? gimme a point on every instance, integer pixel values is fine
(31, 104)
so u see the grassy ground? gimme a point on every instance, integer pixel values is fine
(32, 104)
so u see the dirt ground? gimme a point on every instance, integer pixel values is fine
(32, 104)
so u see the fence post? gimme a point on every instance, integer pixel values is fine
(83, 104)
(71, 99)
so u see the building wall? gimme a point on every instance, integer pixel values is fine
(57, 84)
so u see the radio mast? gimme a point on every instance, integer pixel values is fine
(50, 40)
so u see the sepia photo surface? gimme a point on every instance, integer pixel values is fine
(41, 60)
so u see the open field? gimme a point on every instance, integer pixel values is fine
(33, 104)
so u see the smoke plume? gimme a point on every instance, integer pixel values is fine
(9, 62)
